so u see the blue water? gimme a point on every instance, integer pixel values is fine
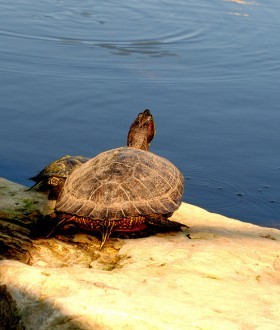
(74, 74)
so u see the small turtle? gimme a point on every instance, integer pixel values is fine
(123, 191)
(53, 176)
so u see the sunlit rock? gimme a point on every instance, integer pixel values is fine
(227, 276)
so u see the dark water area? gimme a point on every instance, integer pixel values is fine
(74, 74)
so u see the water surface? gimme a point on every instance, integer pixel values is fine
(75, 74)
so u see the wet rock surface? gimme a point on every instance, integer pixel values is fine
(227, 276)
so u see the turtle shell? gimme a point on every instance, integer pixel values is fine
(120, 183)
(61, 167)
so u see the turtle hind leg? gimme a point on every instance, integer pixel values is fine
(160, 223)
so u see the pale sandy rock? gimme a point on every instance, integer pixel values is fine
(226, 277)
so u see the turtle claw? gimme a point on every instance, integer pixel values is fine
(186, 230)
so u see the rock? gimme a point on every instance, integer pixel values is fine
(225, 277)
(19, 208)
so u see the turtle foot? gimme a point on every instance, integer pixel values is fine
(161, 223)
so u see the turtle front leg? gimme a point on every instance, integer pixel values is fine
(49, 225)
(160, 223)
(68, 226)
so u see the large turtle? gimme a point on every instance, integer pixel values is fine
(51, 179)
(124, 190)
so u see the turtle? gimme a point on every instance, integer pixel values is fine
(51, 179)
(124, 191)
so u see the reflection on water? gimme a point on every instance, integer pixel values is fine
(240, 10)
(238, 14)
(74, 75)
(242, 2)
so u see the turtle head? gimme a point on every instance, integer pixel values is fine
(142, 131)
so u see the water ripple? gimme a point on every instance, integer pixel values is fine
(146, 25)
(218, 73)
(237, 193)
